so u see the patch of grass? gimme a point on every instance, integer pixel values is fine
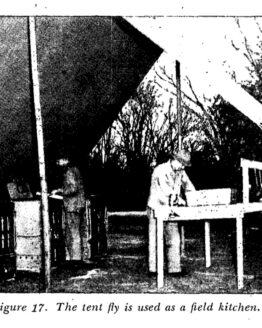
(124, 269)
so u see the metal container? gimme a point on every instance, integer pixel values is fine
(28, 245)
(27, 221)
(28, 235)
(30, 263)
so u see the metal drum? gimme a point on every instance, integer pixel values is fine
(28, 235)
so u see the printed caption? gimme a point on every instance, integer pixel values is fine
(113, 308)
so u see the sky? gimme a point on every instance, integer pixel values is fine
(209, 49)
(203, 45)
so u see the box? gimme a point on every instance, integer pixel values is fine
(222, 196)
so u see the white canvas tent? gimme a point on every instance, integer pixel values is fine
(164, 33)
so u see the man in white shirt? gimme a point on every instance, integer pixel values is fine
(169, 184)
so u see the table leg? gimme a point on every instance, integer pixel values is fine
(207, 244)
(160, 252)
(240, 257)
(182, 240)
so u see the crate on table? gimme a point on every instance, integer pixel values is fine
(222, 196)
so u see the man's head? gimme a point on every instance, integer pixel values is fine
(181, 159)
(62, 162)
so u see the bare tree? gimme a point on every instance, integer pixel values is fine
(139, 132)
(197, 118)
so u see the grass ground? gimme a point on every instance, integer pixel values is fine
(124, 269)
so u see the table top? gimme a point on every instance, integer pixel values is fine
(213, 211)
(253, 207)
(200, 212)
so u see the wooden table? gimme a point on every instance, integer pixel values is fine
(207, 213)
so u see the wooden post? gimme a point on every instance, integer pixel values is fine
(207, 244)
(160, 250)
(170, 126)
(240, 257)
(179, 129)
(245, 185)
(41, 156)
(182, 232)
(178, 98)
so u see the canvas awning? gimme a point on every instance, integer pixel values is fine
(88, 69)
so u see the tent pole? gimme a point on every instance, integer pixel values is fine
(41, 156)
(179, 128)
(178, 97)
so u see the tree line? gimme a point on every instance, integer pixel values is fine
(146, 133)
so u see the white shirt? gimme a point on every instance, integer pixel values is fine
(165, 182)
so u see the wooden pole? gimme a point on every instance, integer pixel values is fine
(245, 184)
(178, 98)
(240, 256)
(179, 129)
(207, 244)
(170, 126)
(160, 251)
(41, 156)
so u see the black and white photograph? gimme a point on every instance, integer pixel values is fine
(131, 159)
